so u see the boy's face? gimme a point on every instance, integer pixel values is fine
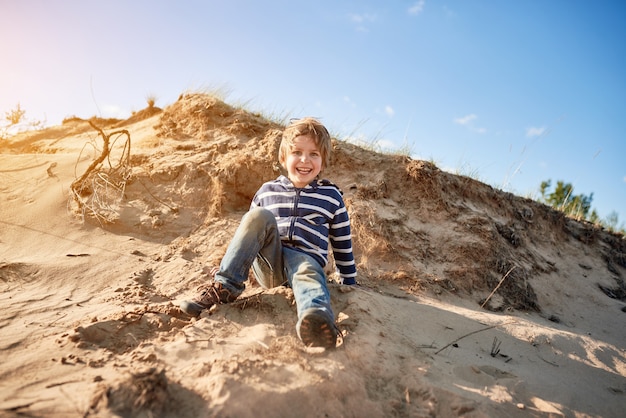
(303, 162)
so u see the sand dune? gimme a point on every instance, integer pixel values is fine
(91, 280)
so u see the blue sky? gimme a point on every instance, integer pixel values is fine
(509, 92)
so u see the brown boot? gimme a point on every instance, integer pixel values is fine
(317, 329)
(211, 294)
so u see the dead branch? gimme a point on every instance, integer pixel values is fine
(100, 180)
(470, 333)
(497, 287)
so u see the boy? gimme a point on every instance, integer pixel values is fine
(284, 237)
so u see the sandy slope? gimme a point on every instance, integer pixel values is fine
(90, 327)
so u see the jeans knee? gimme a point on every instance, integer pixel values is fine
(258, 216)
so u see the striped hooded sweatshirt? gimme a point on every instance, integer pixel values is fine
(309, 219)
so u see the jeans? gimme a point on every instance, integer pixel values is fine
(257, 244)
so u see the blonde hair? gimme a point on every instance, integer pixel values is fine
(309, 127)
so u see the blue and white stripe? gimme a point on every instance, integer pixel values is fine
(311, 218)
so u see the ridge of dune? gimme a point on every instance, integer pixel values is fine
(90, 325)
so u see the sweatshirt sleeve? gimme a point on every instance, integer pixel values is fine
(340, 237)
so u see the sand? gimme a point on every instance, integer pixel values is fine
(472, 302)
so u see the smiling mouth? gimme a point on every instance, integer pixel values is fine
(304, 171)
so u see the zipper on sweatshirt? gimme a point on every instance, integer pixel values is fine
(294, 212)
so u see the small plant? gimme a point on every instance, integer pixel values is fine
(495, 347)
(576, 206)
(564, 199)
(16, 122)
(611, 223)
(15, 116)
(151, 100)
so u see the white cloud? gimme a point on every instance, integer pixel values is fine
(417, 8)
(385, 145)
(449, 12)
(363, 18)
(113, 111)
(532, 132)
(465, 119)
(467, 122)
(389, 110)
(361, 21)
(349, 101)
(379, 145)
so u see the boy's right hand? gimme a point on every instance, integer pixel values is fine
(349, 281)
